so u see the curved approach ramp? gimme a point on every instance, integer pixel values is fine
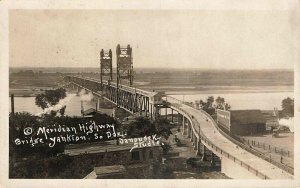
(238, 160)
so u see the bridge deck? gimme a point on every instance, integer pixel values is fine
(122, 87)
(212, 133)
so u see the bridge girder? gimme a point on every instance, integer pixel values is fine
(131, 101)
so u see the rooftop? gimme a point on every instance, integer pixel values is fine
(247, 116)
(90, 111)
(106, 170)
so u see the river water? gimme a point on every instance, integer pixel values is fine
(73, 105)
(243, 101)
(261, 100)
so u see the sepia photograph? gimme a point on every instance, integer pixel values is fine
(153, 93)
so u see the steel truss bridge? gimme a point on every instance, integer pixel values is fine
(236, 161)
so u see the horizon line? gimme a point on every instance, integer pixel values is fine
(186, 68)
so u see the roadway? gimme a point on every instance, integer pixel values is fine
(212, 134)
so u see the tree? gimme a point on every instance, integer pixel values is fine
(163, 128)
(142, 126)
(62, 110)
(287, 107)
(40, 100)
(202, 103)
(50, 98)
(221, 104)
(227, 106)
(208, 105)
(211, 105)
(210, 101)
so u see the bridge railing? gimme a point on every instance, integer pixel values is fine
(174, 100)
(215, 147)
(127, 88)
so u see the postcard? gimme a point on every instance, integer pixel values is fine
(150, 93)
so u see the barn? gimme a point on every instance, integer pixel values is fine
(242, 122)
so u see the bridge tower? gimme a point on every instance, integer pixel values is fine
(124, 64)
(105, 65)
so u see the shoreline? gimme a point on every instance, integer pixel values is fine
(225, 92)
(34, 93)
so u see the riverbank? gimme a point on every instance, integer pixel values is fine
(33, 91)
(28, 92)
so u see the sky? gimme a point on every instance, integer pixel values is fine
(207, 39)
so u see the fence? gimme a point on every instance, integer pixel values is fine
(267, 147)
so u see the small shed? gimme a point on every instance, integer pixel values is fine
(157, 97)
(89, 112)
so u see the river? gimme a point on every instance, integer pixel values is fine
(243, 101)
(73, 105)
(261, 100)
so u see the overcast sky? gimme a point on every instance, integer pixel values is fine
(223, 39)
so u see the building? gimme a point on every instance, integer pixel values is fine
(156, 98)
(108, 111)
(111, 156)
(89, 112)
(241, 122)
(137, 170)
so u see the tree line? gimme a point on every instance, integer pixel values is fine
(211, 104)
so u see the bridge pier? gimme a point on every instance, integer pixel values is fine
(202, 151)
(147, 108)
(183, 125)
(156, 112)
(188, 130)
(179, 119)
(98, 103)
(196, 144)
(204, 154)
(166, 113)
(151, 111)
(192, 135)
(212, 160)
(198, 147)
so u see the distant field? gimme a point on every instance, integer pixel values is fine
(171, 80)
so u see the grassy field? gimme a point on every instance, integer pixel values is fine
(285, 142)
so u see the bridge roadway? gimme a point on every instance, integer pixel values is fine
(204, 123)
(201, 128)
